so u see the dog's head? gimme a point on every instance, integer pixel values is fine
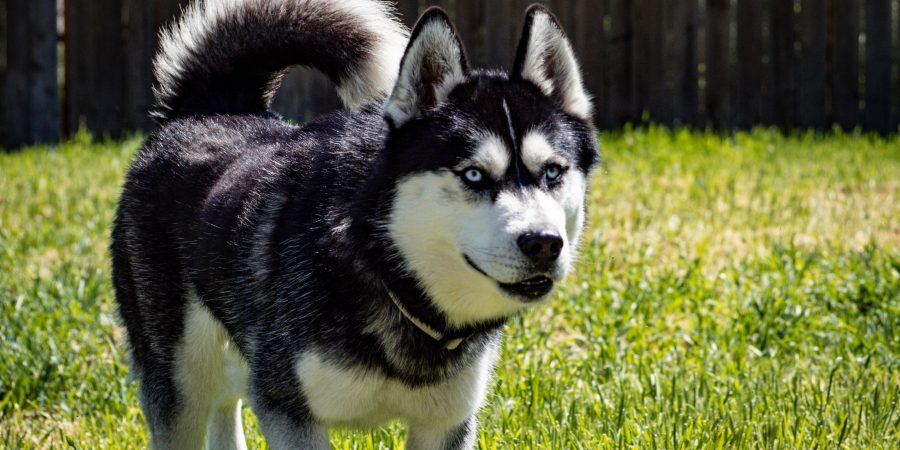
(491, 168)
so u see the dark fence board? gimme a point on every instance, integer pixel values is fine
(29, 96)
(498, 34)
(96, 64)
(4, 37)
(470, 23)
(290, 100)
(409, 11)
(649, 65)
(140, 41)
(718, 49)
(589, 40)
(517, 21)
(165, 12)
(781, 66)
(845, 63)
(110, 45)
(447, 5)
(749, 70)
(680, 59)
(810, 65)
(897, 65)
(622, 106)
(878, 65)
(564, 10)
(304, 94)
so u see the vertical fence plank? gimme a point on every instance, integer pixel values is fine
(142, 21)
(781, 56)
(140, 41)
(681, 59)
(878, 65)
(290, 100)
(498, 40)
(449, 6)
(305, 94)
(5, 121)
(322, 95)
(897, 65)
(165, 12)
(43, 89)
(590, 46)
(470, 23)
(4, 39)
(39, 64)
(748, 106)
(517, 10)
(95, 66)
(845, 63)
(29, 96)
(673, 53)
(649, 70)
(718, 43)
(409, 11)
(110, 46)
(810, 65)
(564, 10)
(620, 66)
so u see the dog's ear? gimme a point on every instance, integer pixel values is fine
(434, 63)
(545, 57)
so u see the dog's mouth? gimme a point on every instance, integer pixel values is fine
(531, 289)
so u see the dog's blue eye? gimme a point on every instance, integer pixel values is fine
(475, 179)
(553, 172)
(474, 176)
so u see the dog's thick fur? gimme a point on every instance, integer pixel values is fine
(359, 268)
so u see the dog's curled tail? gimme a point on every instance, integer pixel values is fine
(228, 56)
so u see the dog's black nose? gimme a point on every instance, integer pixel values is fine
(542, 248)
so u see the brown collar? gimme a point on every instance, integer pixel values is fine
(451, 344)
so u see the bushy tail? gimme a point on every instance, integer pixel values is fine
(228, 56)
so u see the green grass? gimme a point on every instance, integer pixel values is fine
(737, 291)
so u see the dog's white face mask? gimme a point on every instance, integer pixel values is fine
(494, 231)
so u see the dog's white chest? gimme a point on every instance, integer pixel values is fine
(341, 395)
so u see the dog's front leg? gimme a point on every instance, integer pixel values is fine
(284, 419)
(284, 433)
(426, 436)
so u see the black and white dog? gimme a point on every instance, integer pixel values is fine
(359, 268)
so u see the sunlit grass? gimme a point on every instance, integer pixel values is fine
(737, 291)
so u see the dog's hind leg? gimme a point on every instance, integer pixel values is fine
(162, 404)
(225, 429)
(153, 306)
(211, 378)
(195, 395)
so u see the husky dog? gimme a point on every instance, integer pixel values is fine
(359, 268)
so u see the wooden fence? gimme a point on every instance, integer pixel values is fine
(721, 63)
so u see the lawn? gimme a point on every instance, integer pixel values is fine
(734, 291)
